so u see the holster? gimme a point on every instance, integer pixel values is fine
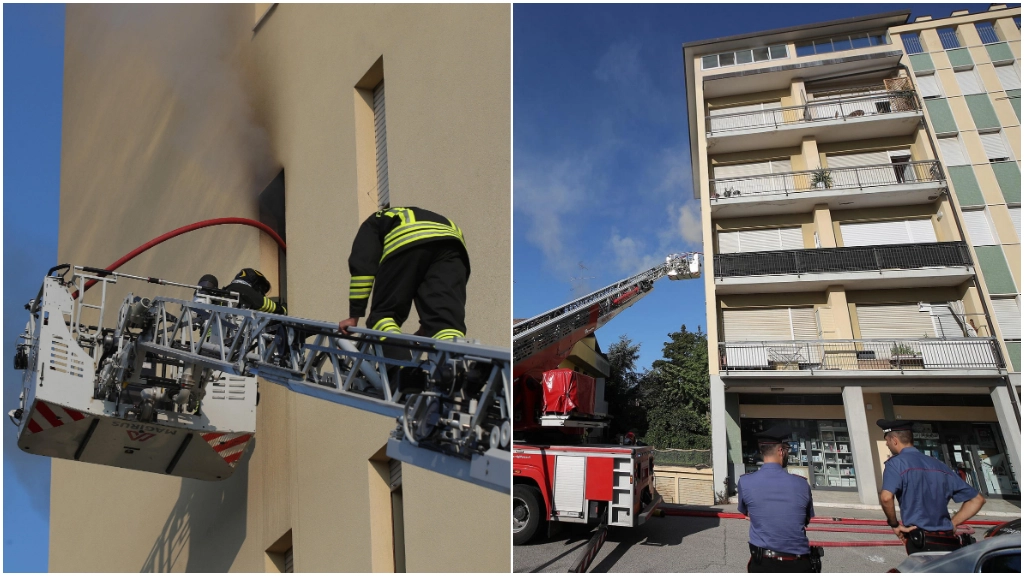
(816, 553)
(756, 553)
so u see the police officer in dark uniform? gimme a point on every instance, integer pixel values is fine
(923, 486)
(407, 255)
(779, 507)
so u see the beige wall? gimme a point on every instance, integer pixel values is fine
(148, 146)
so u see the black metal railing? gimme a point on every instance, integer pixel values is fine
(854, 178)
(836, 108)
(855, 259)
(894, 354)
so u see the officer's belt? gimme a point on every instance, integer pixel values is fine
(773, 555)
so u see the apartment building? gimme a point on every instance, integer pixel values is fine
(848, 275)
(174, 114)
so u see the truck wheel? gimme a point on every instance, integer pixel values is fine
(527, 513)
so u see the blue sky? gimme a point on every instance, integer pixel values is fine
(601, 157)
(33, 73)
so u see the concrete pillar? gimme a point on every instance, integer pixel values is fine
(809, 150)
(823, 226)
(719, 441)
(840, 312)
(1008, 426)
(860, 444)
(734, 440)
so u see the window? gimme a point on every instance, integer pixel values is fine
(995, 146)
(746, 56)
(951, 151)
(1015, 218)
(1007, 313)
(969, 82)
(979, 228)
(919, 231)
(912, 42)
(841, 43)
(987, 32)
(380, 134)
(949, 38)
(929, 86)
(1008, 77)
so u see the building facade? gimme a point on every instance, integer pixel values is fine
(848, 275)
(175, 114)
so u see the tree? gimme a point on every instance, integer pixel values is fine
(676, 394)
(622, 389)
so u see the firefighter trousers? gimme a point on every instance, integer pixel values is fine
(433, 276)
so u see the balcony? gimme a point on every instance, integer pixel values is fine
(926, 357)
(895, 184)
(882, 114)
(857, 268)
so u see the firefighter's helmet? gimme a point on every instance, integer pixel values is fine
(254, 278)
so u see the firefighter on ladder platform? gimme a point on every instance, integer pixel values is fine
(407, 255)
(252, 287)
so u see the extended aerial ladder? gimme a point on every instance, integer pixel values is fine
(170, 386)
(543, 341)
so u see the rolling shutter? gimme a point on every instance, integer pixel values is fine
(1015, 217)
(747, 117)
(805, 326)
(951, 151)
(763, 240)
(946, 322)
(750, 176)
(1008, 315)
(380, 134)
(995, 146)
(741, 170)
(978, 228)
(754, 324)
(929, 86)
(859, 159)
(1008, 77)
(395, 469)
(894, 321)
(968, 81)
(893, 232)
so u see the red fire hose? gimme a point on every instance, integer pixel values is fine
(852, 525)
(179, 231)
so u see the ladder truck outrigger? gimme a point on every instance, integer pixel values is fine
(169, 386)
(557, 477)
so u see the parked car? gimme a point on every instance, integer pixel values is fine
(998, 551)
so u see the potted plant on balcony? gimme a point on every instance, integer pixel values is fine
(904, 356)
(821, 178)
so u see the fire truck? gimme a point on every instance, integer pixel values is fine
(557, 475)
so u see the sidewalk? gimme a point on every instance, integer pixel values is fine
(995, 508)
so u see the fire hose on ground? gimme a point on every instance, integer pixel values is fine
(850, 525)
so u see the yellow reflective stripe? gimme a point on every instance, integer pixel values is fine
(358, 296)
(387, 325)
(403, 230)
(360, 284)
(362, 278)
(419, 236)
(360, 291)
(404, 214)
(449, 334)
(268, 305)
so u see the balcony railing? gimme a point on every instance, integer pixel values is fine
(895, 354)
(855, 259)
(855, 178)
(836, 108)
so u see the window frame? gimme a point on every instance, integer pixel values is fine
(991, 27)
(735, 56)
(916, 38)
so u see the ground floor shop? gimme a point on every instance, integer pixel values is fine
(835, 453)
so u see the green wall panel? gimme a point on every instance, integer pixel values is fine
(959, 57)
(941, 115)
(982, 111)
(1014, 360)
(999, 52)
(1008, 176)
(1014, 97)
(921, 62)
(997, 274)
(965, 185)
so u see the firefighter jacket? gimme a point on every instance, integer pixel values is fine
(250, 298)
(389, 232)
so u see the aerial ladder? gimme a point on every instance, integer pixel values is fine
(557, 477)
(169, 386)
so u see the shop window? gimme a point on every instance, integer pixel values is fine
(820, 450)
